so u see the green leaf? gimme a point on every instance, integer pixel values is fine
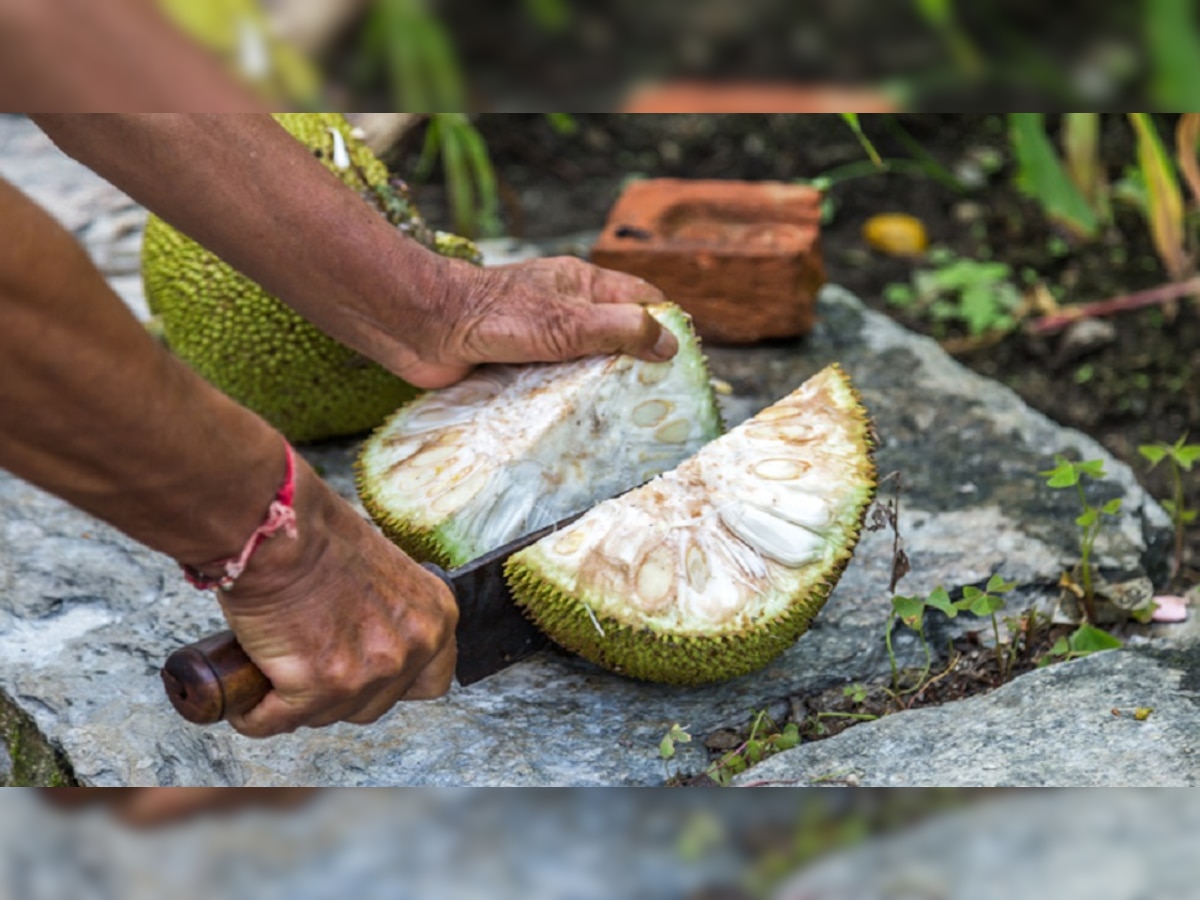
(1153, 452)
(1173, 40)
(986, 604)
(666, 749)
(906, 607)
(1064, 473)
(1093, 468)
(898, 294)
(1112, 507)
(997, 585)
(563, 123)
(1090, 639)
(1164, 197)
(971, 593)
(851, 119)
(1188, 516)
(788, 738)
(1187, 456)
(1088, 517)
(940, 600)
(1061, 647)
(1041, 175)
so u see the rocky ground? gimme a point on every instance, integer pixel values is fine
(86, 616)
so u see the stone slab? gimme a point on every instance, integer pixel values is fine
(86, 615)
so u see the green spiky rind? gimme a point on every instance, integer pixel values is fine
(639, 651)
(421, 544)
(692, 352)
(248, 343)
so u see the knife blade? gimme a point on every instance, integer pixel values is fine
(212, 678)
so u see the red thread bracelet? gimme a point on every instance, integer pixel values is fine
(281, 516)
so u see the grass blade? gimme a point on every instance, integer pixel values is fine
(1164, 200)
(1041, 175)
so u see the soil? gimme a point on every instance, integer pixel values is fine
(1133, 384)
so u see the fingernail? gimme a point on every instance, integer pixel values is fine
(665, 347)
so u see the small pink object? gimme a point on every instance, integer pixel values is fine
(1169, 608)
(281, 516)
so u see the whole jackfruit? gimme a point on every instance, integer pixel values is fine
(715, 568)
(256, 349)
(511, 449)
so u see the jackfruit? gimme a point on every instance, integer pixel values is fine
(256, 349)
(511, 449)
(715, 568)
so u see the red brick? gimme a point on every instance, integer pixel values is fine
(743, 258)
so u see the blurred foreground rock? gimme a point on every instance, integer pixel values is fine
(87, 616)
(1072, 845)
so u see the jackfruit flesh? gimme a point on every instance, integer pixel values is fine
(255, 348)
(511, 449)
(715, 568)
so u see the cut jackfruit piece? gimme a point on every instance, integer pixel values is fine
(715, 568)
(256, 349)
(511, 449)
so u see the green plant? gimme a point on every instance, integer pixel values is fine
(1068, 474)
(676, 734)
(1073, 190)
(978, 294)
(470, 177)
(979, 602)
(1181, 456)
(765, 739)
(1084, 640)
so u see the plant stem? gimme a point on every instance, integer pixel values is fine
(887, 637)
(1177, 517)
(1085, 564)
(999, 651)
(1157, 296)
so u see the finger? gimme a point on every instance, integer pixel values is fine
(427, 375)
(618, 328)
(609, 286)
(436, 677)
(273, 715)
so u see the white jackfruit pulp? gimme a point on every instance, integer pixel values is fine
(716, 567)
(511, 449)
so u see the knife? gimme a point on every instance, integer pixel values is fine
(213, 678)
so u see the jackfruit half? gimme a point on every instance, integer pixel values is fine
(255, 348)
(715, 568)
(462, 470)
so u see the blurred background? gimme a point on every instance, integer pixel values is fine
(664, 55)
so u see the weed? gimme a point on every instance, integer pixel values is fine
(677, 734)
(977, 294)
(979, 602)
(1066, 474)
(1084, 640)
(766, 738)
(1181, 456)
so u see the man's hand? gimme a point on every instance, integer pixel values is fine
(244, 188)
(341, 622)
(544, 310)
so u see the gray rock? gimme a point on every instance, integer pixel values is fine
(86, 615)
(1102, 845)
(1051, 727)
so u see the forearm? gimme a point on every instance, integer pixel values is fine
(94, 410)
(244, 188)
(116, 54)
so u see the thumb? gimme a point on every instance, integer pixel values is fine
(620, 328)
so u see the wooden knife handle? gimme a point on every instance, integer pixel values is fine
(212, 679)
